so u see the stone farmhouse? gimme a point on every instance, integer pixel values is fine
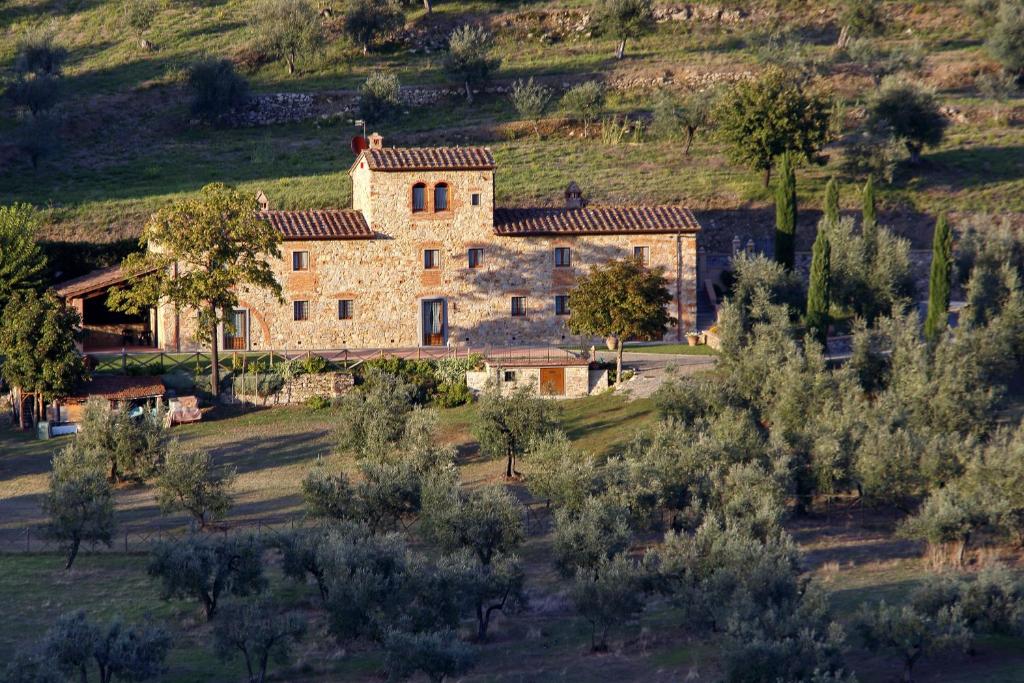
(425, 258)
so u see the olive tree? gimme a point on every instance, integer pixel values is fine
(469, 57)
(190, 481)
(624, 19)
(530, 100)
(256, 630)
(487, 521)
(611, 594)
(208, 568)
(79, 503)
(130, 449)
(908, 114)
(583, 102)
(438, 654)
(287, 30)
(1005, 40)
(506, 425)
(128, 653)
(484, 589)
(365, 21)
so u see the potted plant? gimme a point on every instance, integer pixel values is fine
(692, 338)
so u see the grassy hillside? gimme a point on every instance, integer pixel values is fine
(127, 145)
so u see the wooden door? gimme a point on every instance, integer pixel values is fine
(433, 322)
(552, 381)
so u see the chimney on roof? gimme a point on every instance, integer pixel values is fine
(573, 196)
(262, 200)
(376, 141)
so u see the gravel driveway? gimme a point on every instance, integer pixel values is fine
(650, 369)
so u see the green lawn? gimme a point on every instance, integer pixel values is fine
(673, 349)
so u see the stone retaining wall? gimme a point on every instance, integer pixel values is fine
(302, 388)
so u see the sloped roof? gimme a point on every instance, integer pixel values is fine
(593, 220)
(96, 281)
(119, 388)
(429, 159)
(324, 224)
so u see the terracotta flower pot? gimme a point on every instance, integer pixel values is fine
(611, 342)
(692, 339)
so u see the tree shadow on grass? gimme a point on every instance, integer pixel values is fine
(964, 168)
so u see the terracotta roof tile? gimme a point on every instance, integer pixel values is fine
(327, 224)
(429, 158)
(119, 388)
(593, 220)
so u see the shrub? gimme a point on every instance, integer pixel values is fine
(318, 402)
(379, 97)
(453, 370)
(37, 93)
(584, 102)
(863, 17)
(530, 101)
(1006, 39)
(216, 89)
(313, 364)
(452, 394)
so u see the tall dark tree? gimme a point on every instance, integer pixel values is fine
(819, 288)
(939, 280)
(831, 205)
(785, 213)
(196, 255)
(869, 220)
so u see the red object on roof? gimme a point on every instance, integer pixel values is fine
(118, 388)
(593, 220)
(359, 143)
(429, 159)
(326, 224)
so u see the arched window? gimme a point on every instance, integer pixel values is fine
(441, 197)
(419, 197)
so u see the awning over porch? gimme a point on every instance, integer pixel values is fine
(102, 327)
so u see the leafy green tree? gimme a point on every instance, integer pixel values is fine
(438, 654)
(755, 276)
(947, 519)
(687, 115)
(621, 299)
(863, 17)
(818, 291)
(37, 340)
(871, 271)
(607, 596)
(531, 101)
(379, 96)
(557, 472)
(197, 254)
(190, 481)
(1005, 40)
(506, 425)
(208, 568)
(127, 653)
(130, 449)
(584, 102)
(487, 521)
(624, 19)
(469, 57)
(586, 537)
(373, 418)
(939, 283)
(303, 555)
(79, 504)
(908, 114)
(22, 261)
(785, 213)
(216, 89)
(909, 634)
(256, 630)
(763, 118)
(287, 30)
(368, 20)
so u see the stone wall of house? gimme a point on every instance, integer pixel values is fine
(387, 283)
(580, 380)
(302, 388)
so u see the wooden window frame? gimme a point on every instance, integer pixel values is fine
(304, 305)
(295, 255)
(568, 260)
(520, 310)
(412, 198)
(447, 197)
(508, 376)
(479, 252)
(645, 254)
(562, 298)
(346, 309)
(435, 262)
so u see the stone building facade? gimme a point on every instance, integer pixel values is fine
(425, 258)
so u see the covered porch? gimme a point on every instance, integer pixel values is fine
(104, 329)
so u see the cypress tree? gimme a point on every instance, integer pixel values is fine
(832, 202)
(869, 221)
(785, 213)
(939, 281)
(819, 293)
